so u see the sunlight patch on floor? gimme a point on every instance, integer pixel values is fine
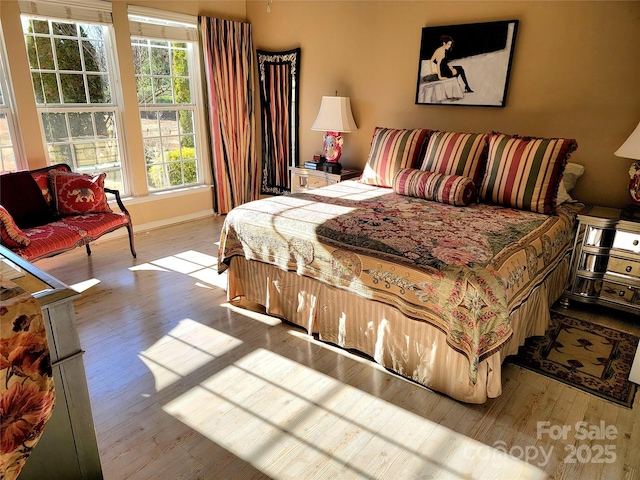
(188, 347)
(85, 285)
(198, 265)
(290, 421)
(261, 317)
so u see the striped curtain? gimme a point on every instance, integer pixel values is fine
(228, 60)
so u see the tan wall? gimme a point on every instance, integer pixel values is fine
(576, 73)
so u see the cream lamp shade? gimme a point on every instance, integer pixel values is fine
(334, 117)
(631, 149)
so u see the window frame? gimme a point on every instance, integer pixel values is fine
(8, 109)
(157, 25)
(114, 106)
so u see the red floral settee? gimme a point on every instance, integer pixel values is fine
(51, 210)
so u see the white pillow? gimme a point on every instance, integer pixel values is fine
(572, 172)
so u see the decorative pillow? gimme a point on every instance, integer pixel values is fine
(439, 187)
(11, 235)
(524, 172)
(22, 198)
(76, 193)
(391, 150)
(451, 153)
(572, 172)
(42, 179)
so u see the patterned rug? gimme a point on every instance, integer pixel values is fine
(586, 356)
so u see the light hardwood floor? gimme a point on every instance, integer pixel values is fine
(185, 386)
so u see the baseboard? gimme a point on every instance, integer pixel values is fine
(145, 227)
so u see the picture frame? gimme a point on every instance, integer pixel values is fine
(466, 64)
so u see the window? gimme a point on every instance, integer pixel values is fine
(72, 72)
(167, 81)
(8, 138)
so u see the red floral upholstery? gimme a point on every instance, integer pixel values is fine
(69, 232)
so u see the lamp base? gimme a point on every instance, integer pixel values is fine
(634, 183)
(332, 148)
(332, 167)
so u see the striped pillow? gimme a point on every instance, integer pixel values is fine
(391, 150)
(10, 233)
(450, 189)
(524, 172)
(462, 154)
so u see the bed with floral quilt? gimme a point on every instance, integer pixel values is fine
(415, 273)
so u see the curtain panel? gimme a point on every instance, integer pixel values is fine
(229, 71)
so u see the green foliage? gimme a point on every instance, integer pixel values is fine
(178, 169)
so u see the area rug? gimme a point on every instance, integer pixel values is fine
(584, 355)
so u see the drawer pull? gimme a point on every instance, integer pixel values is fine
(628, 269)
(635, 242)
(621, 293)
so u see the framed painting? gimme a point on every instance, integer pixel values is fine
(466, 64)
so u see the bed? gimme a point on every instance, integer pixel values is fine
(405, 266)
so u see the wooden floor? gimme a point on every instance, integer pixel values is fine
(185, 386)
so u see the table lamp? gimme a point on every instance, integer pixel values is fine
(334, 118)
(631, 149)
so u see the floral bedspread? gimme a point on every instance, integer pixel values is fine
(462, 269)
(26, 380)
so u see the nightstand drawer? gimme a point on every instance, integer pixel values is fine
(590, 262)
(623, 294)
(627, 241)
(599, 237)
(316, 182)
(624, 266)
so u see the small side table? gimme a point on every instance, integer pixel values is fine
(305, 179)
(605, 265)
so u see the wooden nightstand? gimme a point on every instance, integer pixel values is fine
(605, 265)
(305, 179)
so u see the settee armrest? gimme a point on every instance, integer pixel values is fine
(116, 193)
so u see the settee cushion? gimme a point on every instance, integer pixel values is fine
(75, 193)
(21, 196)
(10, 233)
(69, 232)
(41, 176)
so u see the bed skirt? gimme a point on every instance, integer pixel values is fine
(414, 349)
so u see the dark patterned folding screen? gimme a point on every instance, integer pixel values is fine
(279, 94)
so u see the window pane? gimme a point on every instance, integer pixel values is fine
(162, 90)
(7, 159)
(108, 155)
(68, 54)
(186, 121)
(99, 89)
(45, 86)
(105, 124)
(40, 53)
(141, 61)
(86, 155)
(38, 26)
(91, 31)
(55, 127)
(81, 125)
(60, 154)
(152, 151)
(145, 92)
(183, 93)
(157, 176)
(73, 90)
(95, 56)
(160, 61)
(169, 122)
(150, 126)
(64, 28)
